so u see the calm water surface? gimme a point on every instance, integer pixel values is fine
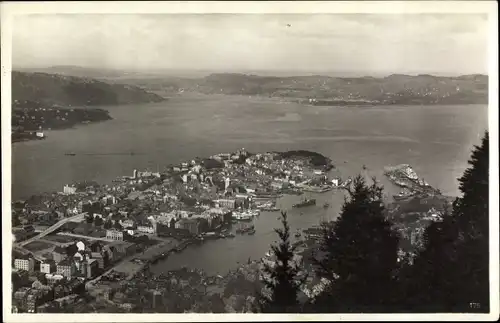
(435, 140)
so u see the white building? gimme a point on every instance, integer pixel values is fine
(114, 235)
(53, 278)
(22, 264)
(146, 229)
(231, 204)
(80, 246)
(48, 267)
(69, 189)
(109, 200)
(127, 223)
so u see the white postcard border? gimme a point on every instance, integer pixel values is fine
(9, 10)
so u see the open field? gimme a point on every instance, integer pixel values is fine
(37, 246)
(59, 238)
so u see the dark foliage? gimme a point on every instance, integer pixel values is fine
(117, 226)
(452, 273)
(316, 159)
(359, 255)
(98, 221)
(282, 280)
(211, 163)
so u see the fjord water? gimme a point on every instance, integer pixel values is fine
(435, 140)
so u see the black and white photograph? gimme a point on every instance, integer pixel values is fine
(249, 160)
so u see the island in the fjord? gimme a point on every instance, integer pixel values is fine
(43, 101)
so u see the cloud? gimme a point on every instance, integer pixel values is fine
(366, 43)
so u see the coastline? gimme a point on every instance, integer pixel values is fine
(135, 268)
(44, 121)
(72, 126)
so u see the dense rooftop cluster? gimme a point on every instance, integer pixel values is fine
(88, 230)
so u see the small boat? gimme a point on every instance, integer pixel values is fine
(70, 154)
(304, 203)
(254, 212)
(242, 216)
(401, 197)
(346, 183)
(245, 229)
(265, 206)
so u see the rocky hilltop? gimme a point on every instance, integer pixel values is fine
(42, 101)
(64, 91)
(313, 158)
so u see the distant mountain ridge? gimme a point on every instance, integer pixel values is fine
(312, 89)
(326, 90)
(62, 90)
(393, 89)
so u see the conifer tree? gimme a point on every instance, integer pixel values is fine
(452, 273)
(281, 280)
(359, 255)
(108, 224)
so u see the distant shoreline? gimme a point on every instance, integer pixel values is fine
(188, 95)
(72, 126)
(421, 89)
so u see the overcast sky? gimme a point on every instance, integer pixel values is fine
(368, 44)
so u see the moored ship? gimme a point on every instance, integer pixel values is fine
(271, 209)
(305, 202)
(245, 229)
(403, 196)
(242, 216)
(345, 184)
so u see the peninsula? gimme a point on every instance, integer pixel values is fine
(93, 238)
(120, 229)
(42, 101)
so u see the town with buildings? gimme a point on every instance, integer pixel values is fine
(81, 240)
(93, 244)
